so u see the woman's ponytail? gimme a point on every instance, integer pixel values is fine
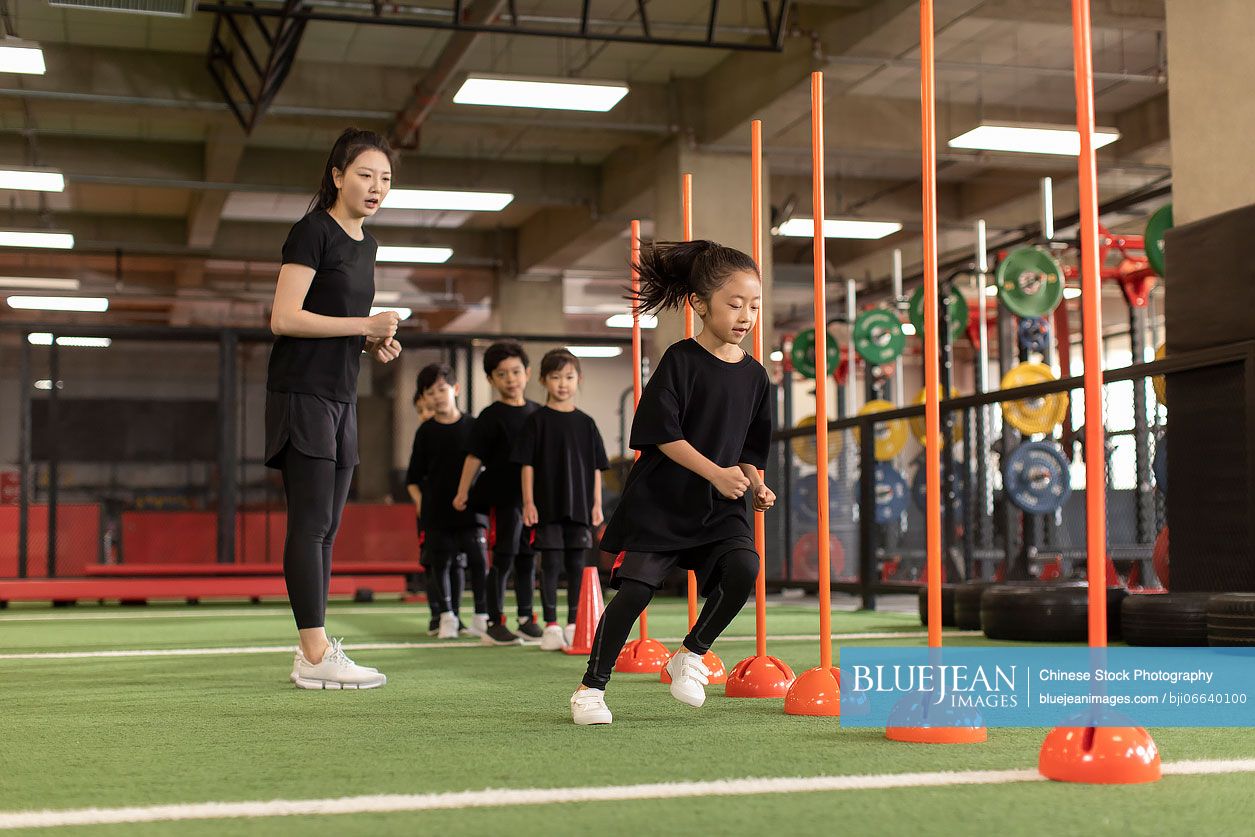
(671, 270)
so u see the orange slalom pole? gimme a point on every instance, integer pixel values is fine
(1091, 753)
(686, 214)
(637, 361)
(756, 253)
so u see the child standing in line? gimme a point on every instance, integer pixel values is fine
(423, 410)
(498, 491)
(432, 479)
(703, 427)
(562, 455)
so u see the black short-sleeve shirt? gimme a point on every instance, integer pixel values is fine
(724, 411)
(492, 442)
(343, 286)
(565, 449)
(436, 467)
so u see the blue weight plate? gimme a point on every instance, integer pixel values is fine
(918, 488)
(806, 497)
(1159, 465)
(890, 493)
(1036, 477)
(1034, 334)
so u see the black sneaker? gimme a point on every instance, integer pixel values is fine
(529, 629)
(433, 627)
(499, 634)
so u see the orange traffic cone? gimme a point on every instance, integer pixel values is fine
(1081, 751)
(591, 606)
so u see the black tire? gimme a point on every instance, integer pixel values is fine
(1045, 612)
(1231, 620)
(947, 605)
(967, 605)
(1165, 619)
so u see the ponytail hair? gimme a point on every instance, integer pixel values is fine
(671, 270)
(348, 147)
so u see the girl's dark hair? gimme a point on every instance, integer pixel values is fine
(502, 351)
(348, 148)
(671, 270)
(555, 360)
(432, 374)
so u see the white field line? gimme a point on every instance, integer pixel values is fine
(391, 803)
(404, 646)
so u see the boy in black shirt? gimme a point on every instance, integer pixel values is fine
(498, 491)
(562, 455)
(423, 410)
(440, 445)
(703, 427)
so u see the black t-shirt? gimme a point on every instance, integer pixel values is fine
(724, 411)
(565, 449)
(436, 467)
(343, 286)
(492, 442)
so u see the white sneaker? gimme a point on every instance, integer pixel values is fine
(479, 624)
(688, 677)
(448, 625)
(569, 634)
(554, 639)
(588, 707)
(296, 662)
(336, 671)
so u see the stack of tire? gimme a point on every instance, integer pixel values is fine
(1219, 619)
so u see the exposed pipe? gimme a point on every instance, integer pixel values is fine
(1159, 79)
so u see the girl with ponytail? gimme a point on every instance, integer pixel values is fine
(703, 427)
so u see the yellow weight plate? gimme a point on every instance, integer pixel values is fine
(917, 424)
(1033, 415)
(804, 446)
(890, 435)
(1161, 388)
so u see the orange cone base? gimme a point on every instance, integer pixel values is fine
(759, 677)
(718, 674)
(642, 656)
(591, 606)
(1100, 756)
(816, 692)
(937, 735)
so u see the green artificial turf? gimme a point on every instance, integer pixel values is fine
(136, 731)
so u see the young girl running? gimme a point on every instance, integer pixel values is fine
(562, 455)
(321, 319)
(703, 428)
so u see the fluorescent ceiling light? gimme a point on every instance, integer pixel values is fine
(26, 238)
(518, 92)
(1030, 138)
(445, 199)
(595, 351)
(93, 304)
(625, 321)
(777, 355)
(414, 255)
(403, 313)
(34, 283)
(908, 329)
(32, 180)
(992, 290)
(43, 338)
(17, 56)
(1071, 293)
(46, 383)
(385, 297)
(839, 228)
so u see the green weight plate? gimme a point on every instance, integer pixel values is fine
(878, 336)
(1158, 224)
(1030, 282)
(803, 353)
(958, 312)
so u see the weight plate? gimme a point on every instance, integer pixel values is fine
(890, 435)
(1158, 224)
(806, 557)
(1033, 415)
(1030, 282)
(958, 312)
(919, 488)
(806, 497)
(1034, 335)
(1159, 464)
(804, 446)
(1161, 386)
(890, 494)
(917, 423)
(803, 353)
(1036, 477)
(878, 336)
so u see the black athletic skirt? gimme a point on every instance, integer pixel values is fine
(318, 427)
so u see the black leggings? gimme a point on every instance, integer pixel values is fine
(551, 564)
(447, 553)
(737, 571)
(316, 492)
(523, 568)
(454, 578)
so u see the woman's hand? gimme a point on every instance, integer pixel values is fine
(383, 350)
(764, 497)
(530, 514)
(731, 483)
(382, 325)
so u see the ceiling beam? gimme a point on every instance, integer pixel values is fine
(223, 150)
